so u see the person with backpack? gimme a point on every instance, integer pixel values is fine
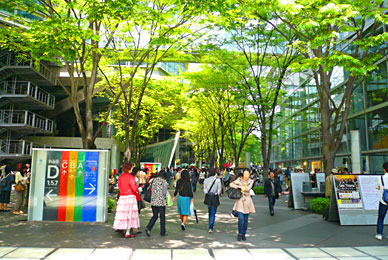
(212, 190)
(7, 179)
(382, 185)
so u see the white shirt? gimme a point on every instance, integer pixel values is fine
(380, 185)
(216, 189)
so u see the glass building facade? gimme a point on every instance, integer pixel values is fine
(298, 142)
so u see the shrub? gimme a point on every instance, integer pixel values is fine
(111, 205)
(258, 190)
(318, 205)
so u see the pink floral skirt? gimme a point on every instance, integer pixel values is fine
(127, 215)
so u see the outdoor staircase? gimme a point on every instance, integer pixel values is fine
(13, 64)
(21, 92)
(27, 94)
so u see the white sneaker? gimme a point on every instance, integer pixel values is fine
(379, 237)
(210, 230)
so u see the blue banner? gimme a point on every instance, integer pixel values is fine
(89, 208)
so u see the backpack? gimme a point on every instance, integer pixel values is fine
(385, 192)
(4, 182)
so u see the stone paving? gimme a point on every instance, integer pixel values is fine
(323, 253)
(290, 234)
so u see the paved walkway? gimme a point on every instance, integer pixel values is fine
(290, 234)
(324, 253)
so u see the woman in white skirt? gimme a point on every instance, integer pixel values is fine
(127, 214)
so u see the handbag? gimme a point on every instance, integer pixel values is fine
(19, 187)
(192, 213)
(140, 205)
(147, 195)
(234, 194)
(169, 199)
(212, 199)
(385, 192)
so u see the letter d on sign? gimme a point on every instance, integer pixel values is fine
(52, 171)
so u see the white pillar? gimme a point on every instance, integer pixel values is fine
(114, 157)
(355, 151)
(247, 160)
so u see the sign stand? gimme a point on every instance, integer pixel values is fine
(290, 196)
(333, 210)
(69, 185)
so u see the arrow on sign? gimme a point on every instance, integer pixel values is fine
(48, 194)
(92, 188)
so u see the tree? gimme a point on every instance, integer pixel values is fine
(156, 111)
(164, 28)
(221, 105)
(332, 36)
(73, 34)
(262, 57)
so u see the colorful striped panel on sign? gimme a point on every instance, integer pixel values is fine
(79, 187)
(70, 203)
(62, 196)
(70, 191)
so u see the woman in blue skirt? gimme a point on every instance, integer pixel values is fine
(185, 197)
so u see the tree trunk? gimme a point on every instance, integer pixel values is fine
(89, 142)
(264, 156)
(127, 153)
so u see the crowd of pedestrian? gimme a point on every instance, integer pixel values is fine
(15, 177)
(136, 185)
(154, 187)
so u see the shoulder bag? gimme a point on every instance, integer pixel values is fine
(147, 194)
(385, 192)
(234, 194)
(210, 198)
(19, 187)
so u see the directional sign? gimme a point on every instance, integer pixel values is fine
(71, 184)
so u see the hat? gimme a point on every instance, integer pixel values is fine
(334, 170)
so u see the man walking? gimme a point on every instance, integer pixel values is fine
(272, 190)
(383, 204)
(212, 188)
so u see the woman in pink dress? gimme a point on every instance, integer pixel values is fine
(127, 215)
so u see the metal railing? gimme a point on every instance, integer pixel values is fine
(15, 147)
(25, 118)
(9, 87)
(13, 59)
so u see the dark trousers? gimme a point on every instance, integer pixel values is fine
(155, 212)
(194, 185)
(380, 219)
(242, 223)
(271, 203)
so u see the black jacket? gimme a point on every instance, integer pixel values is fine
(268, 187)
(186, 191)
